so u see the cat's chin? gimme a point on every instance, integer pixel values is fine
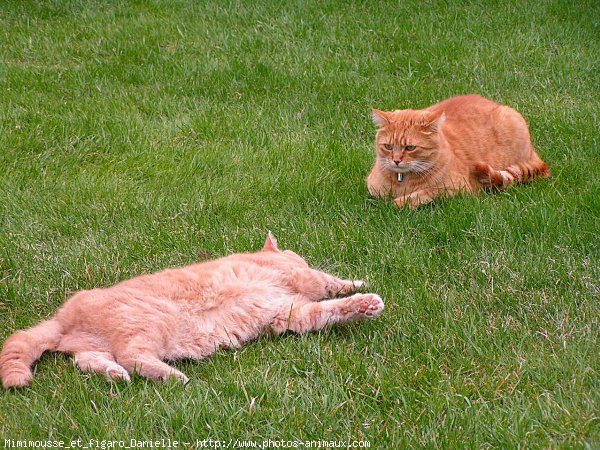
(398, 169)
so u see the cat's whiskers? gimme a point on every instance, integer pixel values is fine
(420, 167)
(391, 167)
(423, 168)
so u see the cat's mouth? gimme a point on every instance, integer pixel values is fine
(398, 169)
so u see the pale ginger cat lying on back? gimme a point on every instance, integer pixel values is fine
(187, 312)
(462, 144)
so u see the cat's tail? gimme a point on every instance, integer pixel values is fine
(516, 173)
(23, 348)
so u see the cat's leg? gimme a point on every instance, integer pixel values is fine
(378, 184)
(317, 285)
(427, 195)
(100, 362)
(138, 356)
(314, 316)
(150, 366)
(414, 199)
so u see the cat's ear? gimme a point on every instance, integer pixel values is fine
(435, 121)
(380, 118)
(270, 244)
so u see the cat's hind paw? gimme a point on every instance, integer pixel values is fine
(181, 377)
(116, 372)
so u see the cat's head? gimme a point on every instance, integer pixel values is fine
(408, 140)
(271, 246)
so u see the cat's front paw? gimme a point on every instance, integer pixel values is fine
(413, 200)
(359, 284)
(352, 286)
(401, 202)
(364, 305)
(371, 305)
(378, 191)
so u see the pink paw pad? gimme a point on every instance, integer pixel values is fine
(370, 305)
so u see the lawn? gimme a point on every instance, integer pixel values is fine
(140, 135)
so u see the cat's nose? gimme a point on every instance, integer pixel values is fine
(397, 162)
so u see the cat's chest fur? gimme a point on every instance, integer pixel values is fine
(405, 183)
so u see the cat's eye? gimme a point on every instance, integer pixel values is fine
(388, 146)
(410, 148)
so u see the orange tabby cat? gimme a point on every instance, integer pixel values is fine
(462, 144)
(187, 312)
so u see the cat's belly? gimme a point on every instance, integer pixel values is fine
(230, 326)
(200, 344)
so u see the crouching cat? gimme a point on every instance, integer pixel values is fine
(187, 312)
(463, 144)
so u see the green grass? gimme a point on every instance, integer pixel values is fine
(141, 135)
